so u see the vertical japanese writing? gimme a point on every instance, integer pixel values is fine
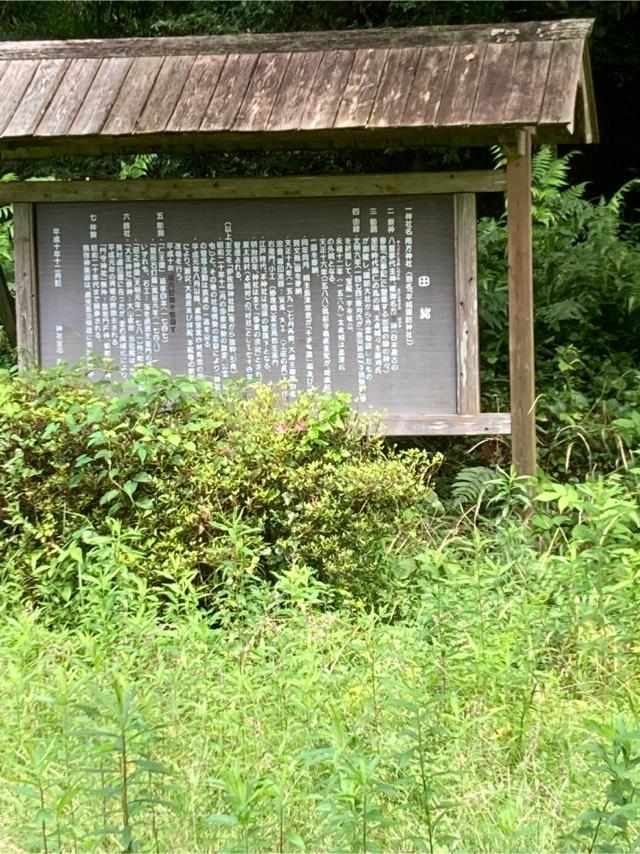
(408, 276)
(236, 295)
(57, 259)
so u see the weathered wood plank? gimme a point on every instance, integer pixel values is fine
(459, 94)
(225, 101)
(527, 84)
(323, 139)
(591, 130)
(100, 96)
(483, 424)
(395, 87)
(494, 85)
(262, 91)
(291, 100)
(361, 89)
(36, 98)
(468, 354)
(196, 93)
(15, 81)
(410, 183)
(428, 85)
(572, 28)
(558, 105)
(165, 93)
(68, 97)
(323, 99)
(317, 91)
(3, 67)
(521, 318)
(7, 310)
(28, 335)
(132, 97)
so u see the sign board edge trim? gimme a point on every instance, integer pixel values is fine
(305, 186)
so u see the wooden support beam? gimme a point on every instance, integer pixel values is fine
(521, 317)
(143, 189)
(468, 357)
(28, 334)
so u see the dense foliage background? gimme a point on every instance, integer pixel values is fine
(236, 622)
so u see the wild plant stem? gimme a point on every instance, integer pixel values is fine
(597, 828)
(364, 821)
(443, 659)
(423, 777)
(526, 705)
(125, 793)
(67, 765)
(104, 799)
(154, 821)
(43, 823)
(374, 684)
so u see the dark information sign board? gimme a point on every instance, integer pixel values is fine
(341, 294)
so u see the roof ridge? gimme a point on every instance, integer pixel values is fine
(566, 28)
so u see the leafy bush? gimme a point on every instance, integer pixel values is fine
(587, 316)
(586, 271)
(589, 413)
(229, 485)
(614, 826)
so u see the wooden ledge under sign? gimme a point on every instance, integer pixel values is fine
(482, 424)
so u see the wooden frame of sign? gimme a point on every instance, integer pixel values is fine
(467, 420)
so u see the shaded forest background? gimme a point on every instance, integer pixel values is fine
(616, 67)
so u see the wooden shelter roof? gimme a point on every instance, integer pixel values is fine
(426, 85)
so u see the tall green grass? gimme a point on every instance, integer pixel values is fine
(457, 716)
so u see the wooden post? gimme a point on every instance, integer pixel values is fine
(521, 353)
(468, 375)
(26, 285)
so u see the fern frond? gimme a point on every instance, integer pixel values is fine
(470, 483)
(616, 201)
(499, 157)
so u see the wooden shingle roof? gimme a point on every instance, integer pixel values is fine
(377, 87)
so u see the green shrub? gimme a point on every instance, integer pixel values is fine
(587, 321)
(226, 485)
(589, 414)
(586, 274)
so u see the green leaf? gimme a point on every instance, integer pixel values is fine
(547, 496)
(225, 820)
(44, 816)
(152, 766)
(108, 792)
(295, 840)
(130, 487)
(126, 839)
(26, 791)
(50, 429)
(75, 553)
